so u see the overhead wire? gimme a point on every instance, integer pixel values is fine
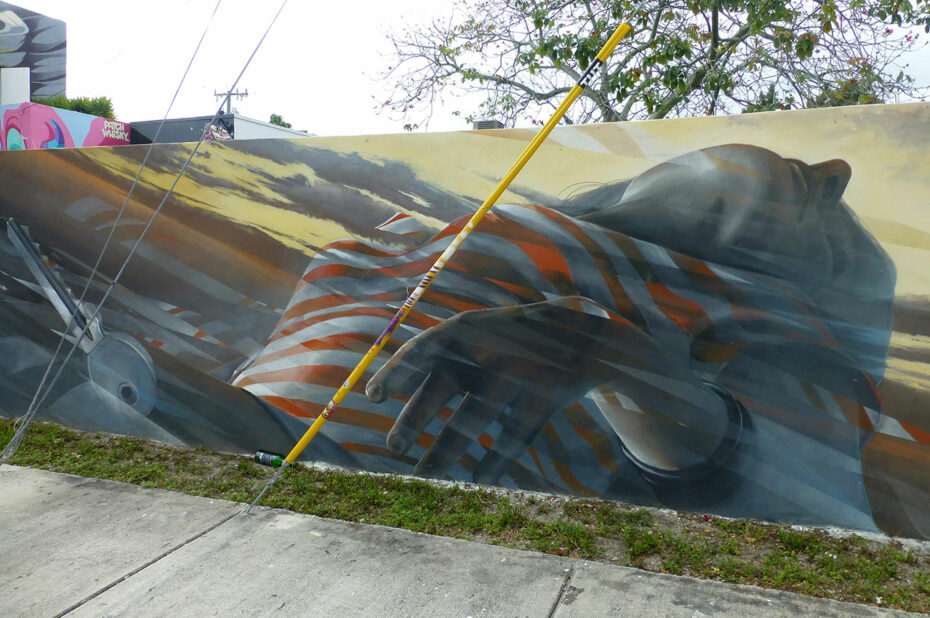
(39, 397)
(23, 422)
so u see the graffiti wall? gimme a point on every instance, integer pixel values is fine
(29, 39)
(726, 314)
(31, 126)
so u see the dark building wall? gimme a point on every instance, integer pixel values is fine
(226, 126)
(176, 130)
(29, 39)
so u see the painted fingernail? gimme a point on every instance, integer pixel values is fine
(375, 392)
(428, 469)
(397, 444)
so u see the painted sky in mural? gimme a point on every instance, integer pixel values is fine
(724, 314)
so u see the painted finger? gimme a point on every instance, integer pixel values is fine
(480, 407)
(527, 417)
(403, 372)
(425, 403)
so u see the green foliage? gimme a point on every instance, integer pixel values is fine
(98, 106)
(561, 537)
(684, 57)
(900, 12)
(847, 92)
(279, 121)
(769, 102)
(806, 561)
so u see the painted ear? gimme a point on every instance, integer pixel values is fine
(832, 177)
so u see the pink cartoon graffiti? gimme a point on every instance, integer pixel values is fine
(33, 126)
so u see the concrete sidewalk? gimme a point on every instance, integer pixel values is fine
(86, 547)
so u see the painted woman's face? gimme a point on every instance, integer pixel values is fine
(741, 206)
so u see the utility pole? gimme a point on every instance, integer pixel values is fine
(229, 95)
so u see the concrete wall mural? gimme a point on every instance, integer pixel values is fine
(726, 314)
(30, 39)
(31, 126)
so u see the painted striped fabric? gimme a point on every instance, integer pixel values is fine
(809, 403)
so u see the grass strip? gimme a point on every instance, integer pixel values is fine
(810, 561)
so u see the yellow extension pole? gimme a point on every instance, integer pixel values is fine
(424, 284)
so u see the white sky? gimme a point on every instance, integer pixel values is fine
(318, 67)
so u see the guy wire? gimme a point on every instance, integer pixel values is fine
(37, 401)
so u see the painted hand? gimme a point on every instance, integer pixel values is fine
(519, 365)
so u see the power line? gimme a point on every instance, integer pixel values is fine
(227, 96)
(38, 400)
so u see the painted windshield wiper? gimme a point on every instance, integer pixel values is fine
(75, 315)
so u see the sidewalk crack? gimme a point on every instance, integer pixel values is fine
(168, 552)
(558, 599)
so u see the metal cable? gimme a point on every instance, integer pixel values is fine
(38, 400)
(24, 420)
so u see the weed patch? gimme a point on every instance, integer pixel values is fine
(806, 561)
